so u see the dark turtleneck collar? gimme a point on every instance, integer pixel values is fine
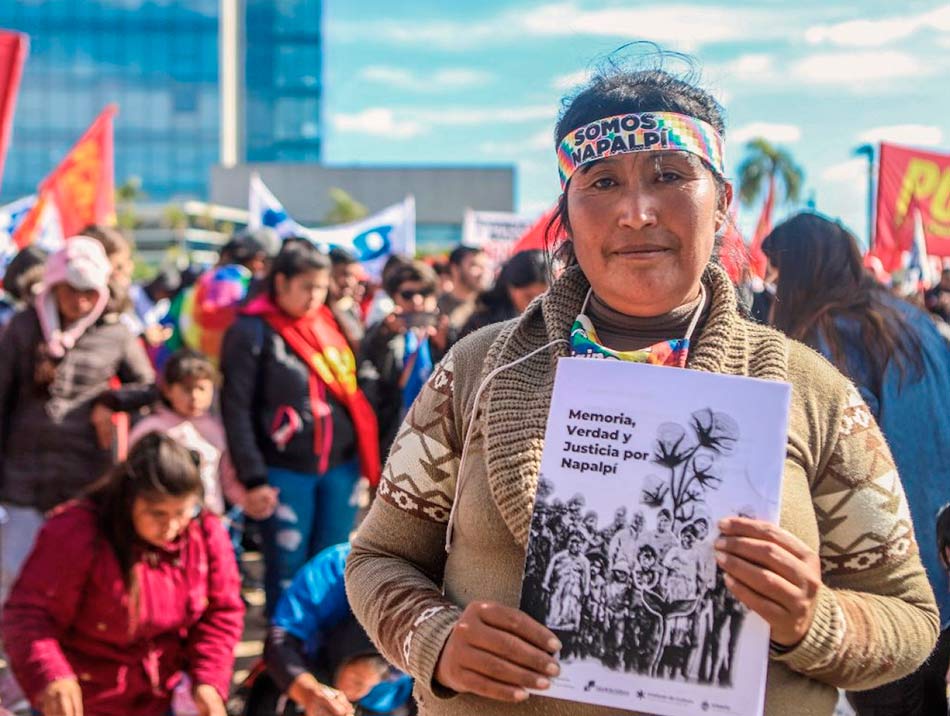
(630, 333)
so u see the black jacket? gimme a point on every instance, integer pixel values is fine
(262, 375)
(48, 447)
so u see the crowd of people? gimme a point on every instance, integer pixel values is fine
(286, 391)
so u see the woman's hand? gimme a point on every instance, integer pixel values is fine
(209, 701)
(260, 502)
(497, 652)
(773, 573)
(62, 697)
(316, 699)
(101, 419)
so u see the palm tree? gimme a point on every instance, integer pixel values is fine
(764, 164)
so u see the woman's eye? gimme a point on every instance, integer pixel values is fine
(604, 183)
(666, 176)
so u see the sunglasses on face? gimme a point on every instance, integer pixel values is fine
(409, 293)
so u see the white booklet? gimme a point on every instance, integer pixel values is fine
(640, 463)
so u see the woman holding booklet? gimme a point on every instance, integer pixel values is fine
(436, 569)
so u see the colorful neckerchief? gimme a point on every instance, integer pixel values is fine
(586, 344)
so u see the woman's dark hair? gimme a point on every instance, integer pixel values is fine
(821, 279)
(113, 241)
(185, 364)
(522, 269)
(157, 467)
(415, 271)
(943, 534)
(296, 256)
(24, 272)
(614, 89)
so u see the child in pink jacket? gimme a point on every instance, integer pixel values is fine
(126, 589)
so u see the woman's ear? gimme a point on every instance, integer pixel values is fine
(725, 201)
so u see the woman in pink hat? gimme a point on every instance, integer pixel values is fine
(57, 358)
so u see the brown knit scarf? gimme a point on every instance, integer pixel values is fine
(513, 416)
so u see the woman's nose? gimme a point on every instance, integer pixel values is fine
(638, 209)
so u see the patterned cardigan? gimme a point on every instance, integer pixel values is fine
(875, 621)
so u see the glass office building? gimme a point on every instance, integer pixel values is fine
(158, 61)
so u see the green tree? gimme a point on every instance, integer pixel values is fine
(344, 208)
(126, 194)
(764, 163)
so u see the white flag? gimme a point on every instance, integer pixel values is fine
(266, 210)
(374, 239)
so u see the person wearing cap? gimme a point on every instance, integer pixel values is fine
(436, 568)
(57, 358)
(318, 654)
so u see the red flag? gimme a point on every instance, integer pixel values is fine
(733, 253)
(13, 51)
(538, 236)
(757, 259)
(909, 178)
(82, 187)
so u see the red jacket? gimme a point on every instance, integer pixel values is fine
(68, 615)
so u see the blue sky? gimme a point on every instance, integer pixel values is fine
(480, 82)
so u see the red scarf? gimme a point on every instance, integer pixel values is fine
(318, 341)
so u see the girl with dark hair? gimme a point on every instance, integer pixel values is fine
(523, 278)
(436, 569)
(300, 432)
(124, 590)
(900, 365)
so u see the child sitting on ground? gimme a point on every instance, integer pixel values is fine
(187, 384)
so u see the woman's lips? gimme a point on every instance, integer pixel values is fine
(644, 251)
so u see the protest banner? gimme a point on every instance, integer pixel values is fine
(14, 47)
(372, 240)
(639, 464)
(543, 234)
(911, 180)
(495, 232)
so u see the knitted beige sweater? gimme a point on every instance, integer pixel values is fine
(876, 619)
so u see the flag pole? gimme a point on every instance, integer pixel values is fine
(867, 151)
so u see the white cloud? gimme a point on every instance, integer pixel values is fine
(440, 80)
(846, 172)
(376, 121)
(682, 26)
(750, 67)
(876, 33)
(858, 69)
(564, 83)
(537, 142)
(921, 135)
(777, 133)
(466, 116)
(406, 123)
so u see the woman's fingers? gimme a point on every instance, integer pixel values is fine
(780, 591)
(491, 689)
(517, 650)
(758, 529)
(764, 607)
(762, 554)
(497, 652)
(502, 670)
(520, 624)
